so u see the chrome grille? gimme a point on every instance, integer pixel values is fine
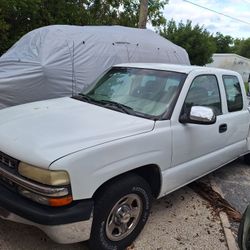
(8, 161)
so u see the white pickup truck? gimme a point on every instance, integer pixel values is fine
(87, 167)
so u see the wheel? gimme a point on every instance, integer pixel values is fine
(121, 211)
(247, 159)
(244, 230)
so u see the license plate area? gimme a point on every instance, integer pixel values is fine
(6, 181)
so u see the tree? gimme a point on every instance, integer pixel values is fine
(17, 17)
(223, 43)
(196, 40)
(244, 49)
(237, 43)
(241, 47)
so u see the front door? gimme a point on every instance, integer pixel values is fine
(198, 149)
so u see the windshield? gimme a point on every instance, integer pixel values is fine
(144, 91)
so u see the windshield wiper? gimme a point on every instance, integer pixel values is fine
(86, 97)
(121, 107)
(126, 109)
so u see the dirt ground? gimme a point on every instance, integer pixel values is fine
(181, 220)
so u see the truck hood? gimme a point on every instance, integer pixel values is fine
(41, 132)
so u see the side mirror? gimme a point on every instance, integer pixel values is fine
(244, 231)
(198, 115)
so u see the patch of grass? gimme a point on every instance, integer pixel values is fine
(246, 87)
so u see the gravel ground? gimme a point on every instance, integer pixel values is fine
(181, 220)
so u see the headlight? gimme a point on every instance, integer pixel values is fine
(49, 187)
(44, 176)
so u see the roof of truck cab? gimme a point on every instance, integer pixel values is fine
(173, 67)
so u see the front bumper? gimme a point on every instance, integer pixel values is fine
(67, 224)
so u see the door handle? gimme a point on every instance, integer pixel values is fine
(222, 128)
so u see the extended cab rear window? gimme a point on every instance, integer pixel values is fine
(233, 93)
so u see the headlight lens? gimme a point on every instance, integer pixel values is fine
(44, 176)
(57, 189)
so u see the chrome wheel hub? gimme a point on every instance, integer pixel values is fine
(123, 214)
(124, 217)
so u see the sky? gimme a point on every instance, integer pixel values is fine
(240, 9)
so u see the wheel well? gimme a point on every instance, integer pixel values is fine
(150, 173)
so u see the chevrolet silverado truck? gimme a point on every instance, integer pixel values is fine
(87, 167)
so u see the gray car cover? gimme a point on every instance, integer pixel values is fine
(60, 60)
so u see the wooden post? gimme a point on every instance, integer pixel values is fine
(143, 14)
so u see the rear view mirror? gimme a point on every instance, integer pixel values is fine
(244, 231)
(199, 115)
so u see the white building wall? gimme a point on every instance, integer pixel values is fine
(234, 62)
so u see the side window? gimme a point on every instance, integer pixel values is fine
(204, 91)
(233, 93)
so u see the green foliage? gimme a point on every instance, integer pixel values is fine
(223, 43)
(237, 45)
(198, 42)
(155, 14)
(244, 49)
(17, 17)
(246, 87)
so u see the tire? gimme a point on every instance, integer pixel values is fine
(121, 211)
(244, 230)
(247, 159)
(240, 231)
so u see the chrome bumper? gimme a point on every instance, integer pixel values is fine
(64, 234)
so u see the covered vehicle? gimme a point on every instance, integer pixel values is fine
(61, 60)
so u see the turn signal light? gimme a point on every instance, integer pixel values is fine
(58, 202)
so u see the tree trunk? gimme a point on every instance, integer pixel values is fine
(143, 14)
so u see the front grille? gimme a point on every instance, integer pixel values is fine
(8, 160)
